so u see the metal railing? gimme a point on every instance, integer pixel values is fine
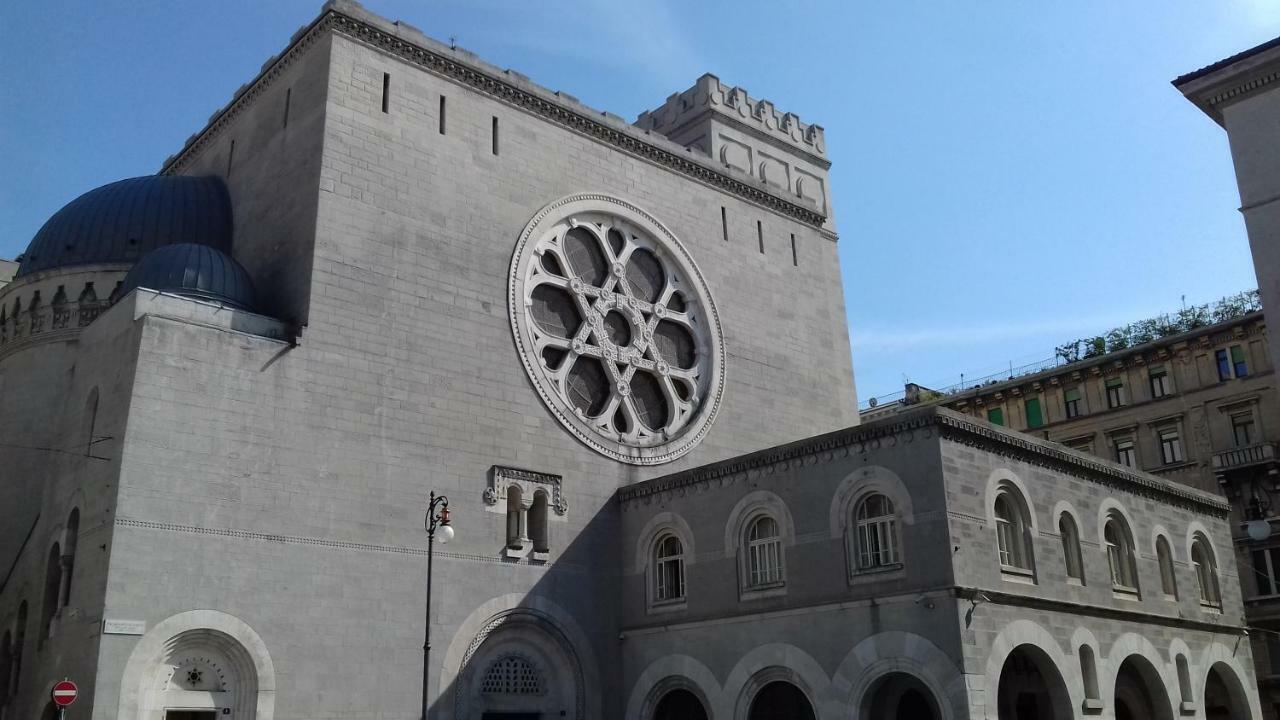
(1244, 456)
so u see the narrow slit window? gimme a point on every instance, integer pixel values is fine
(441, 114)
(386, 91)
(724, 223)
(760, 234)
(288, 96)
(795, 259)
(495, 134)
(231, 154)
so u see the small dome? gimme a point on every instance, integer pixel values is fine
(122, 221)
(196, 271)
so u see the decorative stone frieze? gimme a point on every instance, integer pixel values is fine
(502, 478)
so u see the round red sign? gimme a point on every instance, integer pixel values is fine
(64, 693)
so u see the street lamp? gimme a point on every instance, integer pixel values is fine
(437, 521)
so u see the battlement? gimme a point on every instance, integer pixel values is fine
(709, 94)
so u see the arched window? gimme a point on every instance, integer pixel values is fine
(1013, 533)
(1120, 556)
(516, 531)
(877, 533)
(1164, 557)
(764, 552)
(1089, 673)
(538, 530)
(1070, 535)
(1206, 571)
(1184, 679)
(668, 569)
(52, 584)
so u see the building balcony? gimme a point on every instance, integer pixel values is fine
(1242, 457)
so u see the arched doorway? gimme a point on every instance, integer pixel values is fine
(899, 696)
(780, 700)
(521, 667)
(1031, 688)
(680, 704)
(1140, 692)
(1224, 696)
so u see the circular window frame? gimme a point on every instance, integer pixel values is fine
(709, 342)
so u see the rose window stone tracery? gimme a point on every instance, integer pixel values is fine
(616, 328)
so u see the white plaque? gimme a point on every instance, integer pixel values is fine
(124, 627)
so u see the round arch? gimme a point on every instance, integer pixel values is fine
(663, 522)
(519, 608)
(1223, 658)
(1225, 697)
(898, 695)
(1105, 508)
(766, 664)
(1003, 478)
(1140, 691)
(895, 651)
(1029, 643)
(860, 483)
(669, 673)
(185, 654)
(747, 508)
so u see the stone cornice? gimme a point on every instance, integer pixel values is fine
(351, 21)
(949, 425)
(1234, 78)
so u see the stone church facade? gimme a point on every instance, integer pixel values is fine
(387, 268)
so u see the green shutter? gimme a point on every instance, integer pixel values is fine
(1034, 417)
(1115, 382)
(1072, 394)
(995, 416)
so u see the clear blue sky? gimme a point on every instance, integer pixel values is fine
(1007, 175)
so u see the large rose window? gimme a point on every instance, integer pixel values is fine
(616, 328)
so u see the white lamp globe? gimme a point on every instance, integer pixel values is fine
(445, 533)
(1258, 529)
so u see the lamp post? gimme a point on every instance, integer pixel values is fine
(437, 521)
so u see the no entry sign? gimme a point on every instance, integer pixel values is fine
(64, 693)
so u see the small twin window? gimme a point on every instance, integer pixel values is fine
(1231, 363)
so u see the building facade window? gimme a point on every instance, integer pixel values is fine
(1266, 570)
(764, 552)
(877, 533)
(1035, 416)
(1013, 536)
(1164, 557)
(1231, 363)
(1115, 393)
(1170, 447)
(995, 416)
(1071, 401)
(1120, 555)
(1070, 535)
(1242, 430)
(1125, 453)
(668, 569)
(1206, 568)
(1161, 384)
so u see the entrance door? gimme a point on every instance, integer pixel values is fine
(190, 715)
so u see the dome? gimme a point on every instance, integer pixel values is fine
(122, 221)
(196, 271)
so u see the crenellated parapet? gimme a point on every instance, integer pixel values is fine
(708, 93)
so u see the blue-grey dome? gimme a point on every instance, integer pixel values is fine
(197, 271)
(122, 221)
